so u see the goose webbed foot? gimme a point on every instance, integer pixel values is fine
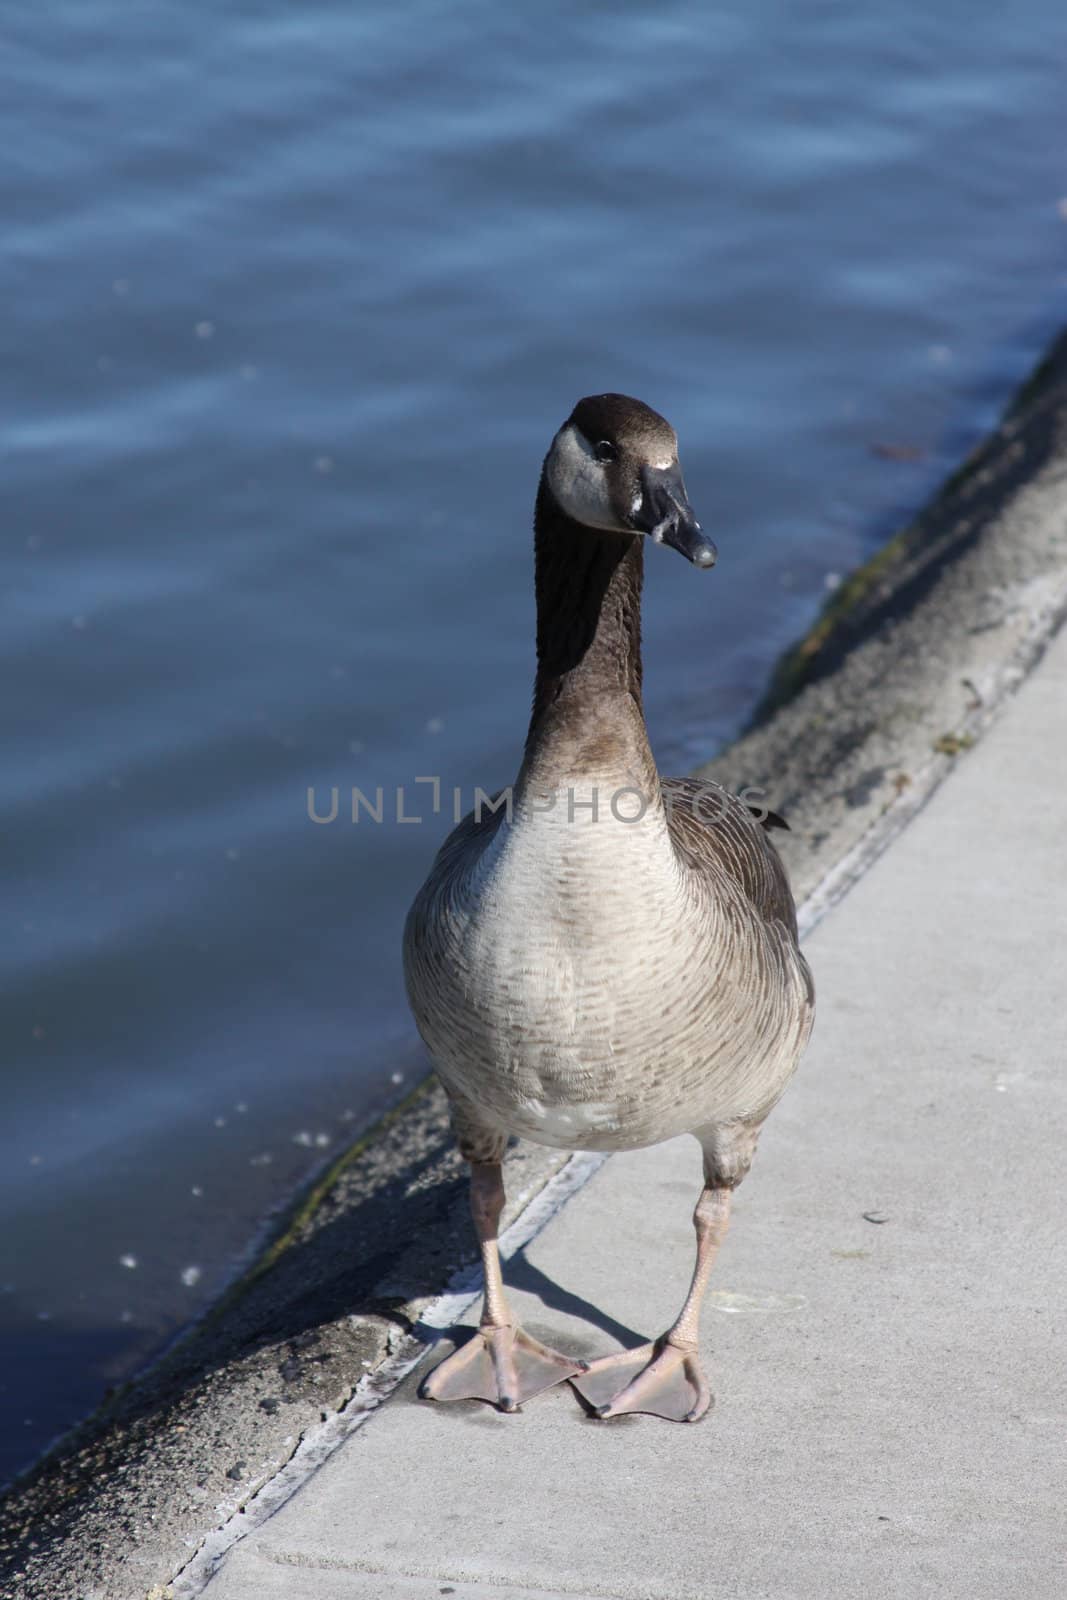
(503, 1365)
(665, 1379)
(660, 1379)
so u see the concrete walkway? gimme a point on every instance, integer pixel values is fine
(882, 1331)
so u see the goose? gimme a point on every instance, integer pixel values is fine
(601, 959)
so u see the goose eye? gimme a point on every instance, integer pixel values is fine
(605, 451)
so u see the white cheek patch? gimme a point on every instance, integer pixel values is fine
(579, 482)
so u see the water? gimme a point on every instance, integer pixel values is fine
(295, 298)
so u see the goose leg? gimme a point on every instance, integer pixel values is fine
(665, 1378)
(502, 1363)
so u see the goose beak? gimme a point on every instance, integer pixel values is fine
(664, 513)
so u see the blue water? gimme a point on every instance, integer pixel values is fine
(294, 300)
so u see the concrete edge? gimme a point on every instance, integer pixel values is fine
(897, 575)
(142, 1490)
(943, 633)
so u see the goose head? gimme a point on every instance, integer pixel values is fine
(614, 466)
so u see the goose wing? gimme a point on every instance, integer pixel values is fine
(716, 833)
